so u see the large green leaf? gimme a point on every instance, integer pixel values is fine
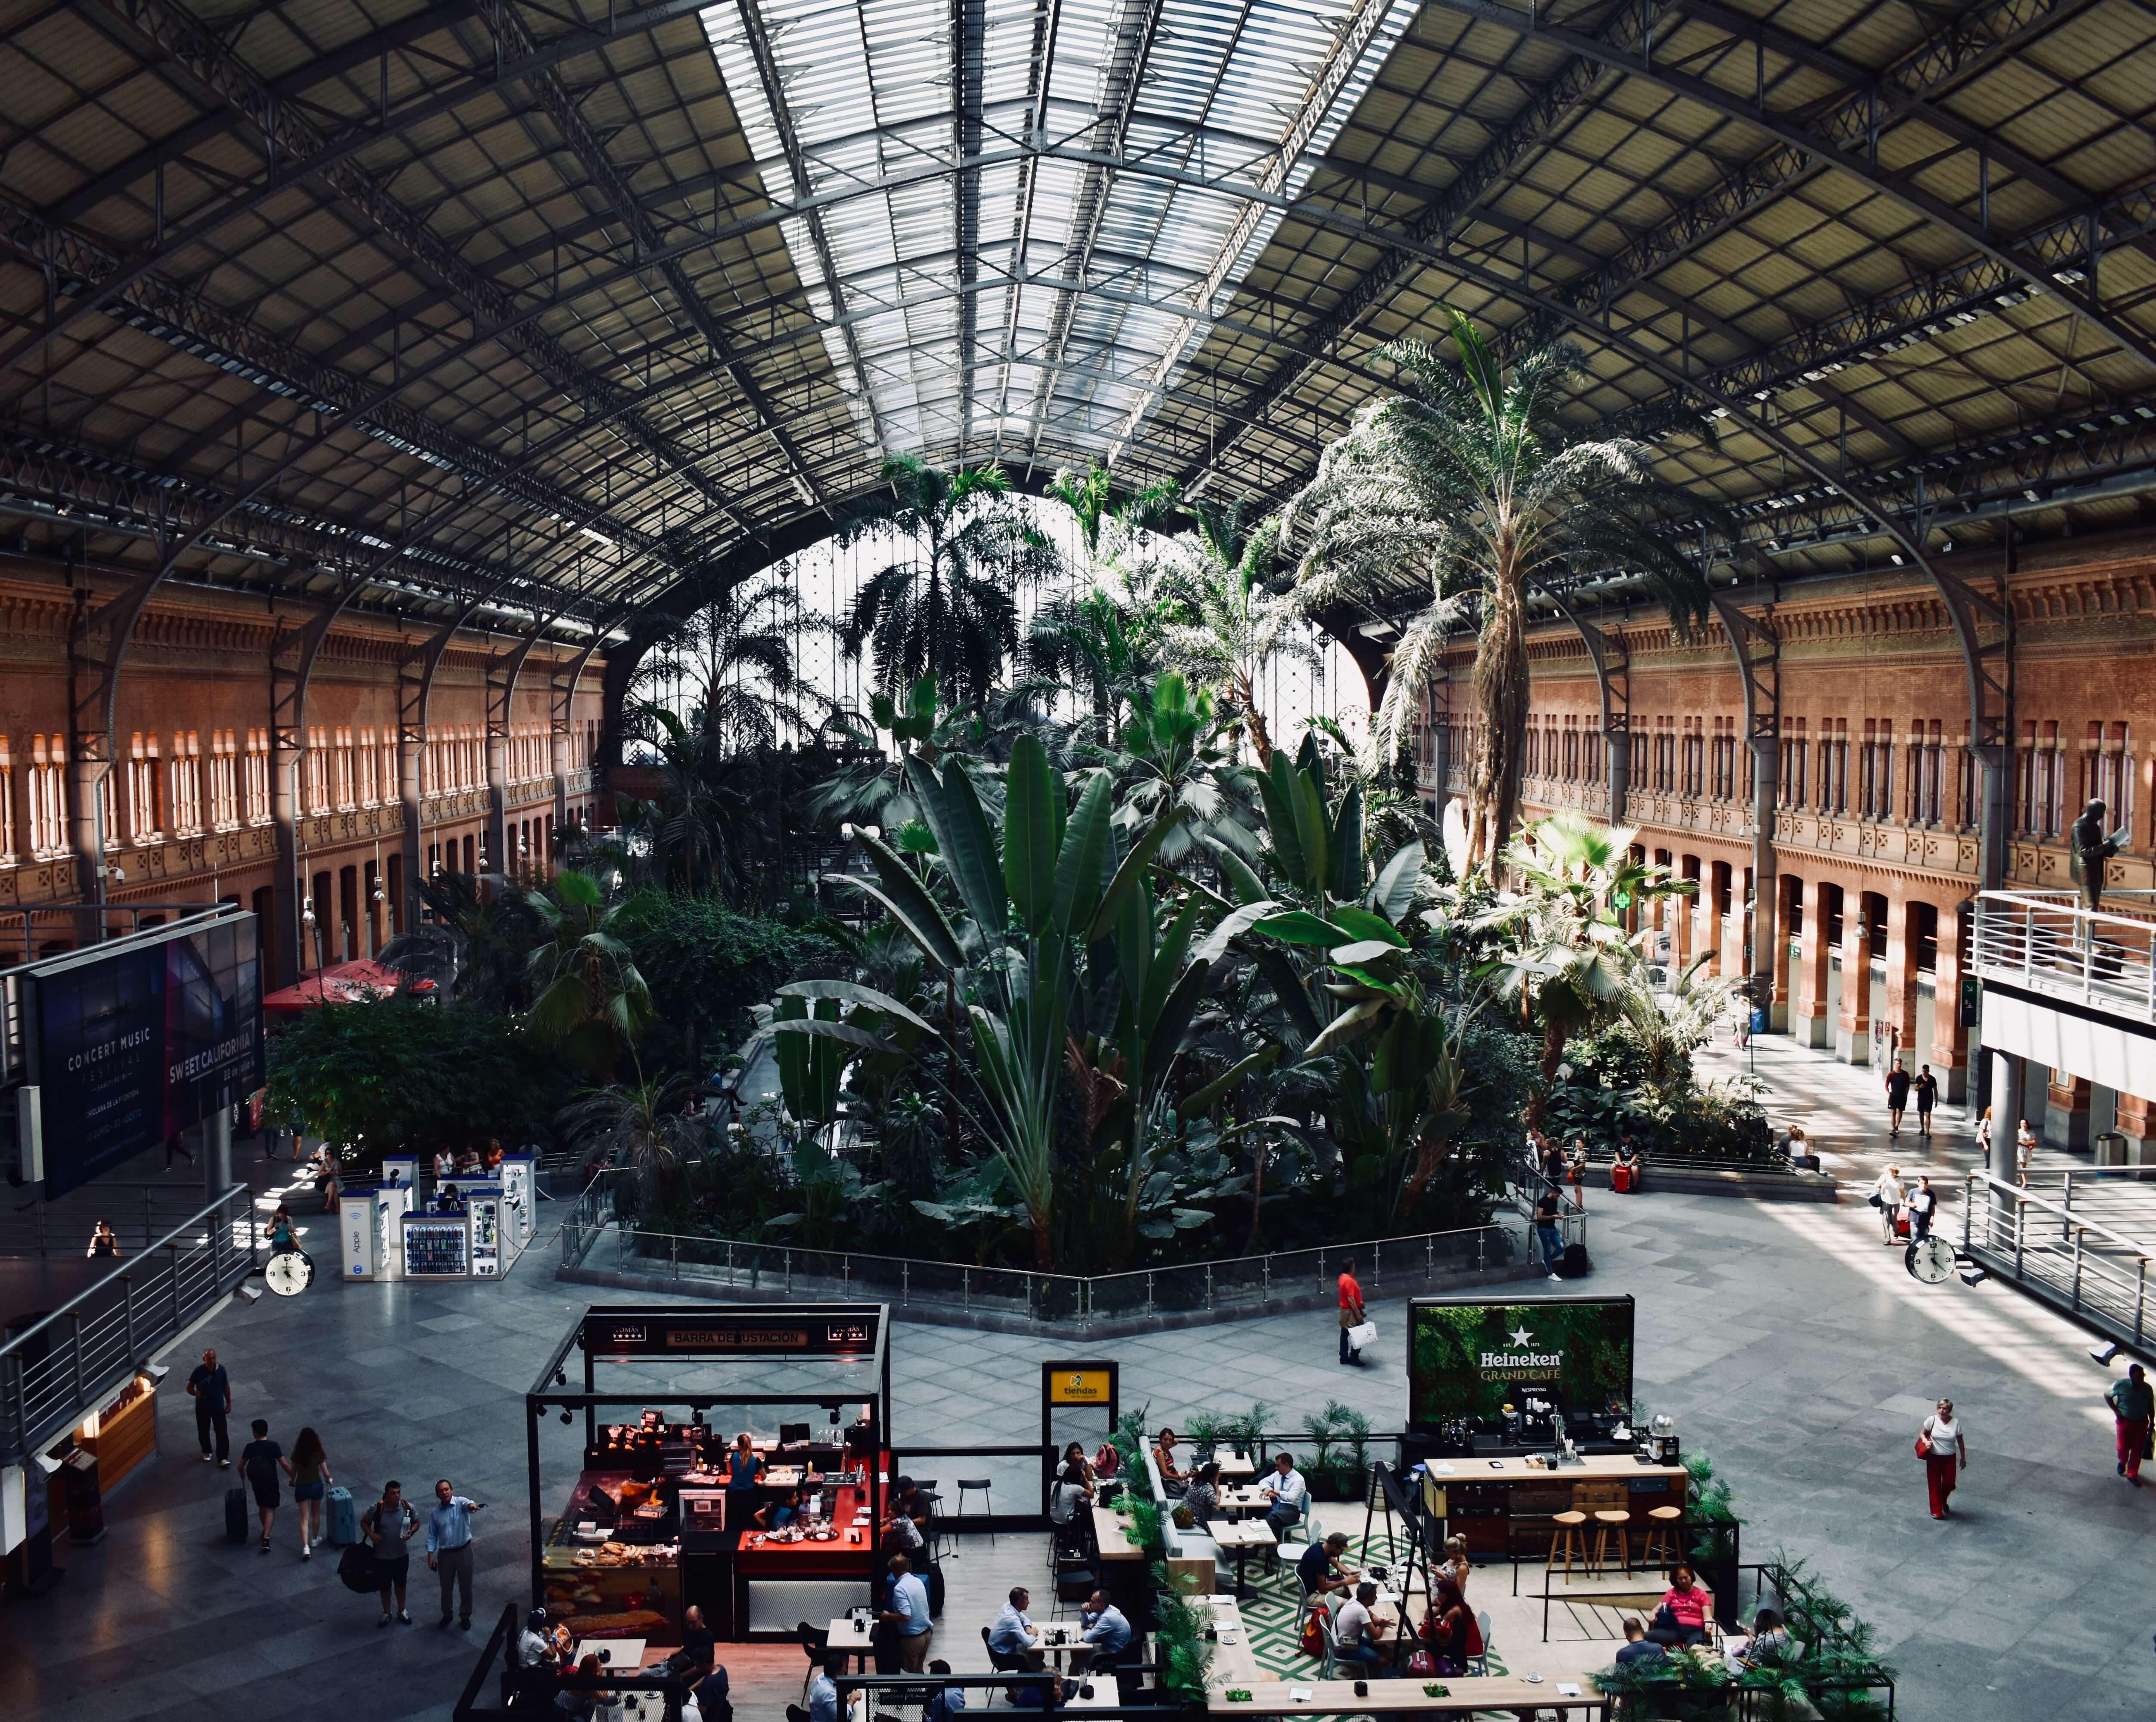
(1227, 1082)
(817, 1028)
(1311, 829)
(1349, 1026)
(1173, 1023)
(1363, 925)
(1129, 875)
(853, 994)
(1032, 795)
(1084, 855)
(1242, 878)
(1393, 893)
(1167, 965)
(1280, 974)
(1276, 788)
(1215, 945)
(1299, 926)
(900, 891)
(1346, 842)
(967, 845)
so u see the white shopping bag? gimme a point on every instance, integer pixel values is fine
(1361, 1334)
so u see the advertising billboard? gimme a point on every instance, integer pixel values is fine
(134, 1045)
(1468, 1357)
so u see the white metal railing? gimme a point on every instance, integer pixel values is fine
(2050, 943)
(2091, 1269)
(58, 1368)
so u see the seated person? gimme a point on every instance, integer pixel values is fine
(1769, 1646)
(1628, 1156)
(1014, 1638)
(1075, 1466)
(1287, 1491)
(446, 1201)
(1453, 1629)
(946, 1702)
(1456, 1565)
(493, 1156)
(1639, 1651)
(1172, 1476)
(1355, 1630)
(699, 1653)
(445, 1164)
(468, 1163)
(1067, 1498)
(777, 1514)
(1106, 1632)
(535, 1649)
(1202, 1495)
(1320, 1567)
(1687, 1606)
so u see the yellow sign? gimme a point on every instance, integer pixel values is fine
(1079, 1386)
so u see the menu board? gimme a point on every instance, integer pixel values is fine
(436, 1249)
(841, 1334)
(1469, 1357)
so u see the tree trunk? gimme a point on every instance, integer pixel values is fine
(1554, 1040)
(1500, 695)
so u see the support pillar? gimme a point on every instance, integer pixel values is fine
(217, 1151)
(1949, 1037)
(1852, 1033)
(1814, 956)
(2137, 1123)
(2067, 1113)
(411, 750)
(1898, 1027)
(1779, 979)
(1617, 758)
(2006, 1110)
(285, 893)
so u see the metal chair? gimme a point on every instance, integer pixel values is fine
(980, 1485)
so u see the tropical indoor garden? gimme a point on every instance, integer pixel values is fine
(1063, 947)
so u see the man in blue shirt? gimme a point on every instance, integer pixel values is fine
(1014, 1635)
(1106, 1630)
(1287, 1491)
(1640, 1651)
(948, 1702)
(211, 1389)
(908, 1611)
(823, 1695)
(448, 1548)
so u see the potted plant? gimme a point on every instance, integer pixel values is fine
(1205, 1429)
(1714, 1536)
(1335, 1475)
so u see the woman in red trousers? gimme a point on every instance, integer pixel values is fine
(1945, 1455)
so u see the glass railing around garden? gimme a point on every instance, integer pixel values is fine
(1386, 1268)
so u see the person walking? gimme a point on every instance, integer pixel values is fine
(310, 1479)
(448, 1549)
(1351, 1310)
(389, 1525)
(907, 1610)
(2024, 1145)
(1547, 1230)
(1984, 1140)
(1923, 1204)
(2132, 1403)
(1944, 1447)
(1897, 1098)
(1926, 1089)
(1888, 1196)
(104, 1241)
(260, 1461)
(211, 1389)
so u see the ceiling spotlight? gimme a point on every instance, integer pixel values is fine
(568, 1417)
(560, 1378)
(2103, 1351)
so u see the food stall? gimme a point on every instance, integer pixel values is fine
(644, 1529)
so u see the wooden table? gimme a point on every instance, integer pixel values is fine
(1245, 1499)
(1236, 1467)
(1112, 1533)
(1464, 1693)
(854, 1638)
(1233, 1664)
(1241, 1536)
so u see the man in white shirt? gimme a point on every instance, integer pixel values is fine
(1888, 1188)
(823, 1695)
(1106, 1634)
(909, 1612)
(1353, 1629)
(1014, 1634)
(1287, 1491)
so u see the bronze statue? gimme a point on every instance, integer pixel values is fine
(2092, 848)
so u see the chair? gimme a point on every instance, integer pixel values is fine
(815, 1641)
(980, 1485)
(1328, 1668)
(1661, 1545)
(1075, 1582)
(1571, 1540)
(1480, 1664)
(1002, 1661)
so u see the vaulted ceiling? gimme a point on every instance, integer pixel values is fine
(557, 306)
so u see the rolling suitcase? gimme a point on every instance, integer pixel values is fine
(235, 1516)
(343, 1519)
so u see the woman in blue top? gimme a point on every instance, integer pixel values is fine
(744, 1466)
(776, 1515)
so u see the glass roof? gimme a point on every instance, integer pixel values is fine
(949, 304)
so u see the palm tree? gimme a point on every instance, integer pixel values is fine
(1228, 624)
(739, 650)
(947, 607)
(645, 1127)
(588, 995)
(1492, 490)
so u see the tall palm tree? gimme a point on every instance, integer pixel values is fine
(1229, 625)
(947, 605)
(588, 997)
(739, 651)
(1495, 489)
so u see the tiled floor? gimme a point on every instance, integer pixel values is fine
(1789, 1343)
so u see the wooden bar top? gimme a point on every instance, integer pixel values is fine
(1464, 1693)
(1113, 1535)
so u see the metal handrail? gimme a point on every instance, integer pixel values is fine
(124, 1271)
(2067, 1215)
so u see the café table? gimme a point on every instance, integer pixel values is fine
(1241, 1536)
(1236, 1467)
(854, 1637)
(1233, 1663)
(1246, 1499)
(1464, 1694)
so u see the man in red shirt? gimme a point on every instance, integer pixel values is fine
(1351, 1311)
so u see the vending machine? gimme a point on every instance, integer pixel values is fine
(486, 1253)
(438, 1246)
(519, 1191)
(364, 1237)
(399, 1196)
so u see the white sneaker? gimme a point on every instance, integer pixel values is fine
(307, 1552)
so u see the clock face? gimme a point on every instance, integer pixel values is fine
(1930, 1260)
(288, 1273)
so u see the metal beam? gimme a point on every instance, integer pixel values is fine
(1612, 659)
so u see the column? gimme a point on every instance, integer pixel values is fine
(1770, 945)
(2067, 1112)
(501, 854)
(2137, 1123)
(2006, 1114)
(1813, 956)
(1617, 758)
(1779, 978)
(1852, 1033)
(1733, 926)
(1899, 1019)
(558, 743)
(216, 1138)
(1949, 1036)
(290, 940)
(411, 746)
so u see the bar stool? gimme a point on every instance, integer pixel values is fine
(1606, 1521)
(980, 1486)
(1661, 1547)
(1571, 1539)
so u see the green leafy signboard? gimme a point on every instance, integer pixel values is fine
(1471, 1359)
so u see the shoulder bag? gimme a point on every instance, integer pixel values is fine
(1924, 1440)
